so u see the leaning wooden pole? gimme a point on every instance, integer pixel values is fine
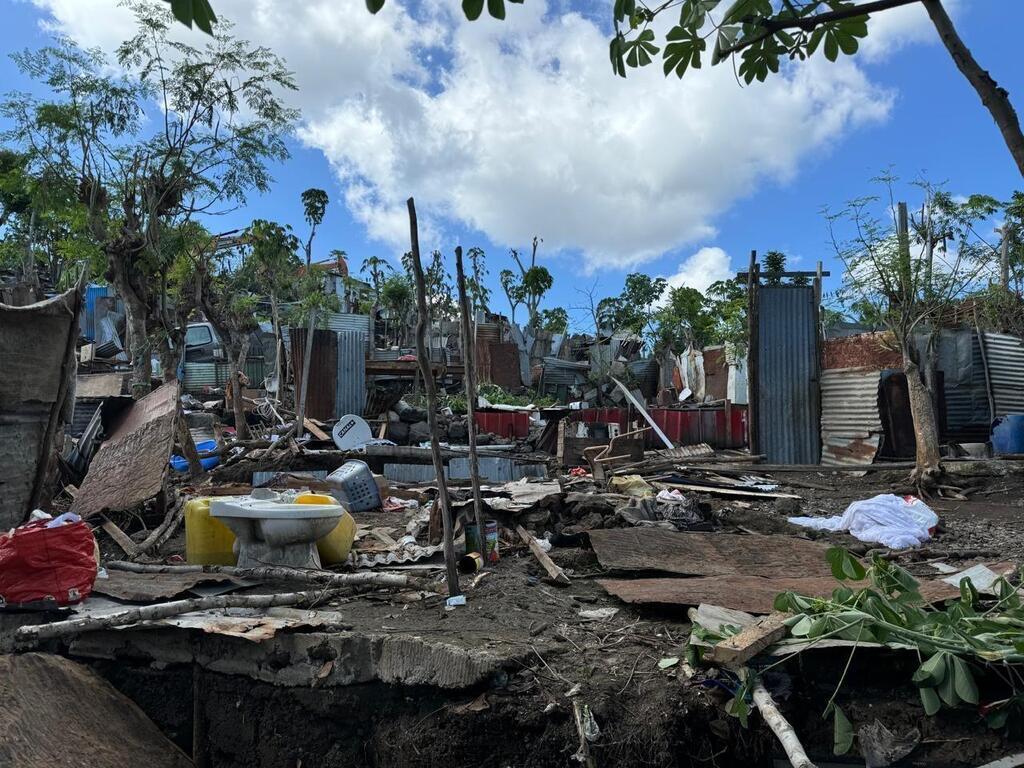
(300, 408)
(431, 390)
(469, 377)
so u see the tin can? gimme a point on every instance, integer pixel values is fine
(491, 554)
(471, 562)
(473, 541)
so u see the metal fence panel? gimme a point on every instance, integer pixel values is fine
(350, 390)
(788, 423)
(1006, 368)
(851, 428)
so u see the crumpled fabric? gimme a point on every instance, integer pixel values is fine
(896, 522)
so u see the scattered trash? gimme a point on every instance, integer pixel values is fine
(598, 614)
(668, 662)
(46, 566)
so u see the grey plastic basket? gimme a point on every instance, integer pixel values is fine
(353, 485)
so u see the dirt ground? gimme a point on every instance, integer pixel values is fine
(523, 715)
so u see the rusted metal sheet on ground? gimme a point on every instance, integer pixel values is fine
(130, 467)
(147, 587)
(851, 427)
(707, 554)
(740, 592)
(38, 363)
(98, 724)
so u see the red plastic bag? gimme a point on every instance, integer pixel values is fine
(40, 564)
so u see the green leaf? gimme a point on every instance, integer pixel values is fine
(815, 40)
(842, 731)
(844, 565)
(947, 688)
(737, 707)
(373, 6)
(668, 662)
(472, 9)
(931, 702)
(968, 594)
(496, 8)
(802, 627)
(932, 672)
(997, 718)
(198, 11)
(831, 46)
(966, 688)
(847, 43)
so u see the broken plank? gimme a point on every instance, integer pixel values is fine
(722, 491)
(556, 573)
(314, 430)
(737, 650)
(707, 554)
(120, 537)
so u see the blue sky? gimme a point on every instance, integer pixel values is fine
(380, 126)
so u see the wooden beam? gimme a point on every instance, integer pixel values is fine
(314, 430)
(557, 574)
(740, 648)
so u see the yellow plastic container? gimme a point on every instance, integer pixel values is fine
(207, 540)
(335, 546)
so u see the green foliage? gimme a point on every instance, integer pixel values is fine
(554, 320)
(956, 641)
(271, 263)
(479, 294)
(314, 206)
(440, 293)
(759, 32)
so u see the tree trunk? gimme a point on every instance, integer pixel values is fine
(925, 430)
(280, 369)
(142, 367)
(443, 501)
(237, 401)
(995, 99)
(469, 377)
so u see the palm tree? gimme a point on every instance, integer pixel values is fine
(376, 267)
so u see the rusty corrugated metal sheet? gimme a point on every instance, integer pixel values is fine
(787, 370)
(851, 428)
(323, 371)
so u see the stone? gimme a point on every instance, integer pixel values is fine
(485, 438)
(410, 414)
(788, 507)
(457, 431)
(419, 432)
(398, 432)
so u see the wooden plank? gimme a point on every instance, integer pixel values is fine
(708, 554)
(314, 430)
(120, 537)
(752, 594)
(737, 650)
(722, 491)
(556, 573)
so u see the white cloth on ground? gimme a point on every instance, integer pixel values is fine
(893, 521)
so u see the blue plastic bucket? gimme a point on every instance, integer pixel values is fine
(180, 463)
(1008, 434)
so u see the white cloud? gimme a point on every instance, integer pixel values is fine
(519, 128)
(706, 266)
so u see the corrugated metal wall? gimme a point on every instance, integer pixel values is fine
(350, 392)
(338, 321)
(200, 376)
(1005, 356)
(787, 369)
(851, 428)
(323, 371)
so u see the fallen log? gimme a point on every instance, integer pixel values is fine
(72, 627)
(780, 727)
(278, 573)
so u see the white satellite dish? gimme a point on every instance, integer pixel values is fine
(351, 432)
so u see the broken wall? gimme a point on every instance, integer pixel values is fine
(37, 351)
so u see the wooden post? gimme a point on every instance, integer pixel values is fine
(1004, 257)
(752, 368)
(188, 445)
(431, 391)
(300, 409)
(469, 379)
